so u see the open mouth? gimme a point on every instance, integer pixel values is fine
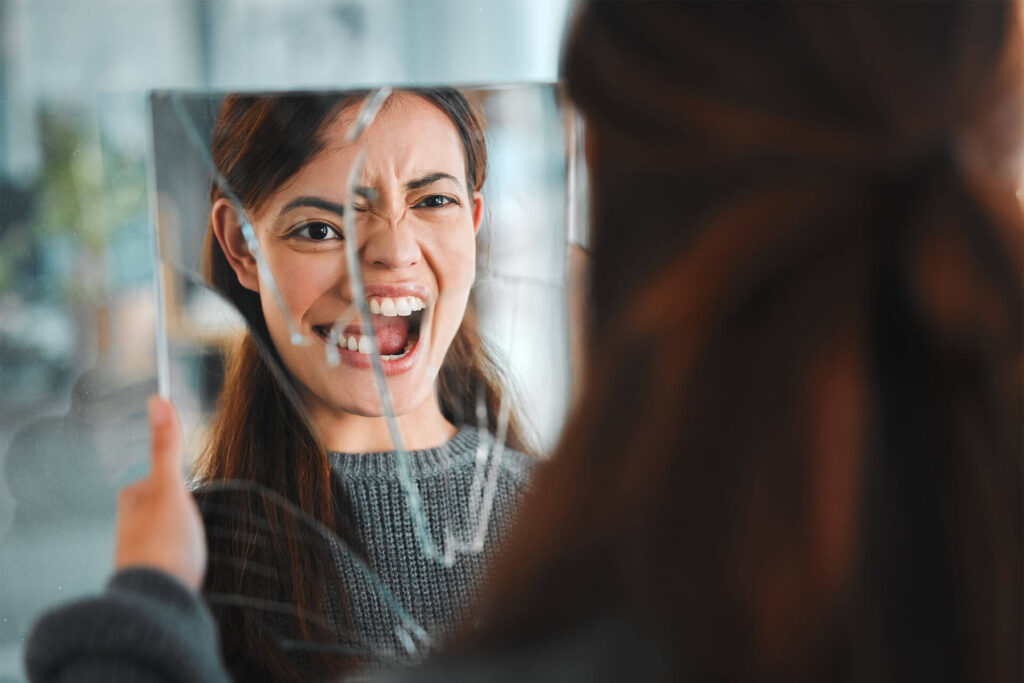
(396, 324)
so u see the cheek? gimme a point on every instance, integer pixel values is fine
(454, 260)
(303, 278)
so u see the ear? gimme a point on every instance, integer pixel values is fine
(228, 230)
(478, 211)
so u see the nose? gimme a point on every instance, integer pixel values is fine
(392, 245)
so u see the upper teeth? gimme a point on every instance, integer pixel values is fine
(399, 305)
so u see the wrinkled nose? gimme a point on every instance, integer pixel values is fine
(392, 246)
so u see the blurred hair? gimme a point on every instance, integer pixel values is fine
(260, 434)
(798, 451)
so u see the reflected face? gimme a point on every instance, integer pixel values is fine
(415, 230)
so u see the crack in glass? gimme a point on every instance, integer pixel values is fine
(518, 284)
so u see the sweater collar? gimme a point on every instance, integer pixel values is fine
(458, 451)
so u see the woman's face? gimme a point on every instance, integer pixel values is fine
(416, 244)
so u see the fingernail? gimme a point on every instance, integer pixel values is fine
(158, 413)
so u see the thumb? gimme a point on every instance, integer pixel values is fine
(166, 442)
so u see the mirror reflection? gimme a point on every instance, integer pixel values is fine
(361, 452)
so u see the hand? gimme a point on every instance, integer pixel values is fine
(158, 523)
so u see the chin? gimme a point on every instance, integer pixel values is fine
(367, 403)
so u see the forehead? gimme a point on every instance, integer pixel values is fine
(408, 138)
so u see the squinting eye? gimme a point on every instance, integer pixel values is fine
(435, 201)
(317, 231)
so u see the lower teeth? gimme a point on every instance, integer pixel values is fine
(395, 356)
(391, 356)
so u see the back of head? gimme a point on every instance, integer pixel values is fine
(799, 451)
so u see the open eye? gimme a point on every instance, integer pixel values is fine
(435, 201)
(317, 231)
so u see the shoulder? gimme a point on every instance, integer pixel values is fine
(518, 466)
(230, 500)
(207, 495)
(515, 466)
(145, 626)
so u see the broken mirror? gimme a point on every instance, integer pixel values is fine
(365, 324)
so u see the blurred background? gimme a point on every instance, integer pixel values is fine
(77, 316)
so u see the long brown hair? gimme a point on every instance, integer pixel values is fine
(259, 434)
(798, 455)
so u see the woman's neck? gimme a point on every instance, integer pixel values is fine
(423, 427)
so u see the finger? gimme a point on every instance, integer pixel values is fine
(166, 441)
(129, 496)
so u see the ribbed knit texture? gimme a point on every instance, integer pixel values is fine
(147, 626)
(434, 595)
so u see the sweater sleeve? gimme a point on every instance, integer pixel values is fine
(146, 627)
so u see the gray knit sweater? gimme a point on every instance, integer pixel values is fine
(148, 627)
(381, 573)
(436, 596)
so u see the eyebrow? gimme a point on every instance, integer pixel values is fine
(428, 179)
(339, 209)
(315, 203)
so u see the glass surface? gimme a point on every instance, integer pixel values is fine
(432, 262)
(79, 162)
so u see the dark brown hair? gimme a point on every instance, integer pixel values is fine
(260, 435)
(798, 452)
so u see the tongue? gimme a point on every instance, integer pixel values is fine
(392, 334)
